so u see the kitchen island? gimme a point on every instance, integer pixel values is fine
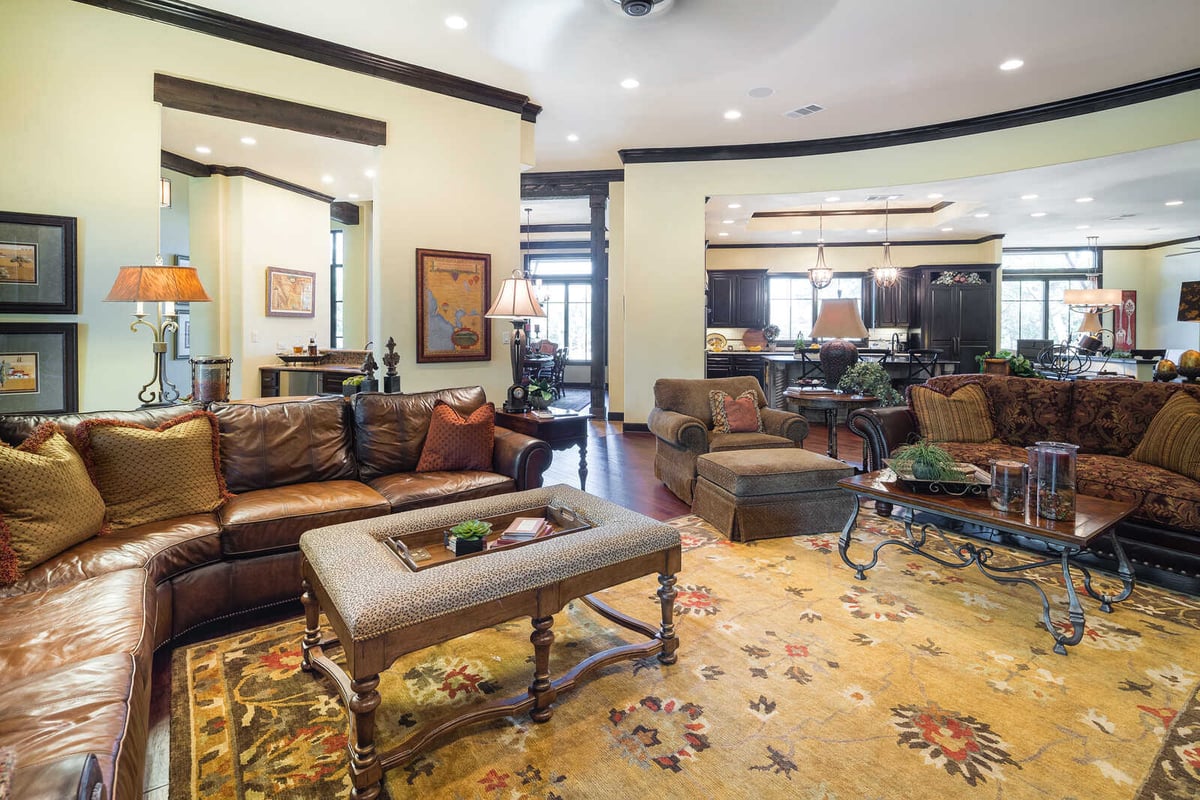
(781, 369)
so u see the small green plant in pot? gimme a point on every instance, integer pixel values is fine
(925, 461)
(870, 378)
(467, 537)
(353, 384)
(541, 392)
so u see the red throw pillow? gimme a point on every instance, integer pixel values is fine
(735, 415)
(457, 443)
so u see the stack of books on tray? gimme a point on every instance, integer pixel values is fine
(522, 529)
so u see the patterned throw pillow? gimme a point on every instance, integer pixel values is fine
(8, 763)
(151, 474)
(1173, 439)
(735, 414)
(47, 501)
(961, 417)
(457, 443)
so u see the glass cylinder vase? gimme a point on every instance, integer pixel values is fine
(210, 378)
(1055, 480)
(1007, 490)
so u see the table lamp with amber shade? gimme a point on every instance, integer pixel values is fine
(165, 286)
(838, 320)
(517, 302)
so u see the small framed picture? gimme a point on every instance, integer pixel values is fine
(183, 331)
(38, 367)
(37, 264)
(291, 293)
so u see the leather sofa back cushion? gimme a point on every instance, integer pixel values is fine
(1173, 439)
(735, 414)
(16, 428)
(47, 502)
(689, 396)
(1112, 416)
(150, 474)
(455, 442)
(1024, 410)
(390, 429)
(962, 417)
(278, 444)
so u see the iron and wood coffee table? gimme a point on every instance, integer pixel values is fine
(382, 606)
(1095, 517)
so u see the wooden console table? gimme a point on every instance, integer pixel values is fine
(560, 433)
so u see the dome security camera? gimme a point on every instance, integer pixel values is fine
(637, 8)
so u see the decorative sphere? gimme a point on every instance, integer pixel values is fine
(1189, 364)
(1165, 370)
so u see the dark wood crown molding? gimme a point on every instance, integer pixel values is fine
(576, 183)
(854, 212)
(564, 227)
(1151, 246)
(1153, 89)
(195, 169)
(218, 101)
(310, 48)
(914, 243)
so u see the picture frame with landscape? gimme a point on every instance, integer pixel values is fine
(37, 264)
(454, 290)
(291, 293)
(38, 367)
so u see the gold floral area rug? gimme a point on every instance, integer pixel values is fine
(794, 680)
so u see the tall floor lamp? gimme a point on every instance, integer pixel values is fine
(518, 302)
(838, 320)
(165, 286)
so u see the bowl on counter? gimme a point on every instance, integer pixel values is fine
(292, 359)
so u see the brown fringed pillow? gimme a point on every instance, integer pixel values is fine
(457, 443)
(961, 417)
(151, 474)
(1173, 439)
(47, 501)
(735, 414)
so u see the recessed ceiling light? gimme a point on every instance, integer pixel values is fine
(733, 113)
(761, 92)
(797, 233)
(455, 22)
(935, 196)
(1029, 197)
(1173, 203)
(572, 137)
(980, 215)
(370, 173)
(352, 196)
(630, 83)
(947, 230)
(1038, 214)
(832, 199)
(722, 233)
(249, 140)
(734, 205)
(202, 150)
(726, 222)
(1011, 64)
(1082, 227)
(872, 230)
(1084, 199)
(326, 179)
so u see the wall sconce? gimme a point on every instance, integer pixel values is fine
(164, 192)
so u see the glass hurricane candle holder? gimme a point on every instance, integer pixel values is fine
(1007, 491)
(1055, 480)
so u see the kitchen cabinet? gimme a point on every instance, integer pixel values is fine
(749, 365)
(892, 306)
(737, 298)
(727, 365)
(959, 319)
(718, 365)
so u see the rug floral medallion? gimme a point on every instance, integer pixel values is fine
(794, 680)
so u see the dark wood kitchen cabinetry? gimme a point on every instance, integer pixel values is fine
(892, 306)
(737, 298)
(718, 365)
(727, 365)
(960, 318)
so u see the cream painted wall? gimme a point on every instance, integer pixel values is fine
(442, 155)
(1160, 307)
(848, 259)
(174, 240)
(664, 211)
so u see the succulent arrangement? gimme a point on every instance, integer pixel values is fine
(870, 378)
(471, 530)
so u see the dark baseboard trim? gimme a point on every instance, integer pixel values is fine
(616, 416)
(636, 427)
(310, 48)
(1153, 89)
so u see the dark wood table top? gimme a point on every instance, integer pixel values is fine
(1093, 515)
(829, 399)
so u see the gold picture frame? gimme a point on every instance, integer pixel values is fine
(291, 293)
(454, 291)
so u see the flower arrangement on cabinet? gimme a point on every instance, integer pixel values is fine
(950, 278)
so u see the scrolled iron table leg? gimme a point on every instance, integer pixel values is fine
(1124, 570)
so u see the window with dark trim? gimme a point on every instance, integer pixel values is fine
(1031, 292)
(564, 288)
(793, 303)
(337, 294)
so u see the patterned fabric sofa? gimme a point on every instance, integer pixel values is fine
(1107, 419)
(81, 628)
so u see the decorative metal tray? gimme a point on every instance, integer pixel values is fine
(300, 358)
(969, 479)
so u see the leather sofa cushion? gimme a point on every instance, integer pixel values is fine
(390, 429)
(16, 428)
(268, 520)
(408, 490)
(164, 549)
(275, 444)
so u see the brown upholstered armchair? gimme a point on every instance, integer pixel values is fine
(682, 424)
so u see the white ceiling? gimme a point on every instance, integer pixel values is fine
(874, 66)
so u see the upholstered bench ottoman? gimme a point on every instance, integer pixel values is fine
(758, 494)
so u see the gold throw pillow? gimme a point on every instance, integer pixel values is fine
(961, 417)
(147, 475)
(1173, 439)
(47, 501)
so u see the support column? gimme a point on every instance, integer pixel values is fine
(598, 202)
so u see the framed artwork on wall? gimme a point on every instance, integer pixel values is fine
(38, 367)
(183, 331)
(453, 293)
(37, 264)
(291, 293)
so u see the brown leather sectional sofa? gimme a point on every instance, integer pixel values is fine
(80, 630)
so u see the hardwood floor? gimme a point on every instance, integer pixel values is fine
(620, 469)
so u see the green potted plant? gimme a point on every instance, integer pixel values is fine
(771, 333)
(467, 537)
(1018, 365)
(870, 378)
(353, 384)
(924, 460)
(541, 392)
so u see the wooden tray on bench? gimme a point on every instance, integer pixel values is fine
(424, 549)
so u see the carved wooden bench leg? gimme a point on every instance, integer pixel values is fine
(312, 628)
(365, 770)
(666, 599)
(544, 693)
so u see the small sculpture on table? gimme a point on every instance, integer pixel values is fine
(369, 365)
(391, 380)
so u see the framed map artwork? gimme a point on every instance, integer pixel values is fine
(290, 293)
(453, 293)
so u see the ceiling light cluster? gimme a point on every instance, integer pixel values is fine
(733, 114)
(630, 83)
(1011, 64)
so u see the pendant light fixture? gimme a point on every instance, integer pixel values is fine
(888, 274)
(820, 275)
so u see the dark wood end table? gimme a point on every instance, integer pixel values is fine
(830, 403)
(561, 433)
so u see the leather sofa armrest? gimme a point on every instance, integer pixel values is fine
(790, 425)
(74, 777)
(520, 457)
(678, 429)
(885, 429)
